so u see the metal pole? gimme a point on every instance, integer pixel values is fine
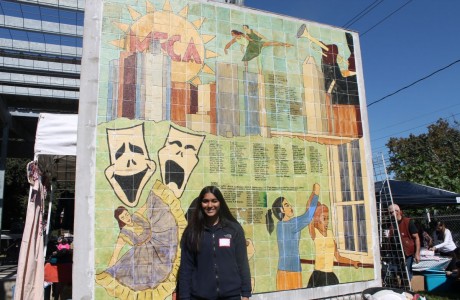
(6, 130)
(50, 204)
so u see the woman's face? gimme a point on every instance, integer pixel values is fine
(322, 223)
(287, 209)
(439, 227)
(125, 217)
(210, 205)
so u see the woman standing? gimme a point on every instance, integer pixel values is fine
(447, 247)
(214, 260)
(288, 234)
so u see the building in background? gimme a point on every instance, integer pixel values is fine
(40, 57)
(40, 61)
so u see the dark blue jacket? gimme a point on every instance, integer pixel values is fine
(220, 269)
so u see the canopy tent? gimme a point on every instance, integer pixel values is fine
(54, 155)
(56, 144)
(405, 193)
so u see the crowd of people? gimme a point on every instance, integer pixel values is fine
(414, 237)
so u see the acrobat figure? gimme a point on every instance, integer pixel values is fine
(325, 250)
(152, 234)
(288, 230)
(251, 44)
(340, 84)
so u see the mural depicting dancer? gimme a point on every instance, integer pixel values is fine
(253, 42)
(340, 84)
(153, 234)
(288, 229)
(325, 250)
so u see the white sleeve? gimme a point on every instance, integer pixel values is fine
(447, 241)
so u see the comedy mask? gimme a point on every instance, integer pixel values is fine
(130, 166)
(178, 158)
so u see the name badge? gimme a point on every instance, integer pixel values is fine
(224, 242)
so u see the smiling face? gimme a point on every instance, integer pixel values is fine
(130, 166)
(210, 205)
(178, 158)
(125, 217)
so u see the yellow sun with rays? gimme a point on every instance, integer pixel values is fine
(178, 38)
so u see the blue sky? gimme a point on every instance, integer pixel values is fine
(415, 41)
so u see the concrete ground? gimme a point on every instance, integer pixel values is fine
(7, 281)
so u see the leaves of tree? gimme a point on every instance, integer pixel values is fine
(431, 158)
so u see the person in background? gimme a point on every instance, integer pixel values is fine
(214, 261)
(63, 243)
(427, 239)
(409, 237)
(447, 247)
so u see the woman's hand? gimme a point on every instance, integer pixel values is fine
(355, 264)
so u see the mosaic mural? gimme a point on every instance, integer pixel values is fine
(266, 108)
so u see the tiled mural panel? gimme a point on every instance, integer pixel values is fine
(264, 107)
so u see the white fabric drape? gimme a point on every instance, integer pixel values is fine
(30, 275)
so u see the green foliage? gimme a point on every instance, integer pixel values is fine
(431, 158)
(16, 193)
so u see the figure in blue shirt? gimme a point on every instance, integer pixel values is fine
(288, 229)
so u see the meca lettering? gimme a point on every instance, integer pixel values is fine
(191, 53)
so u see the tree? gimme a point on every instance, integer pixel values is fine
(16, 193)
(431, 158)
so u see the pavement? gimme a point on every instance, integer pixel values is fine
(7, 281)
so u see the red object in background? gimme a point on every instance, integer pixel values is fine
(58, 273)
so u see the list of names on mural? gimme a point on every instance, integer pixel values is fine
(315, 160)
(216, 162)
(299, 158)
(255, 215)
(285, 109)
(281, 162)
(238, 159)
(260, 158)
(278, 106)
(234, 197)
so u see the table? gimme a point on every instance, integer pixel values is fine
(433, 262)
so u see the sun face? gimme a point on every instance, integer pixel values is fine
(175, 34)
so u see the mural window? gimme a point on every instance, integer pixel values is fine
(351, 211)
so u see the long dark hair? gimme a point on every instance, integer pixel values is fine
(197, 221)
(277, 210)
(441, 235)
(116, 214)
(237, 32)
